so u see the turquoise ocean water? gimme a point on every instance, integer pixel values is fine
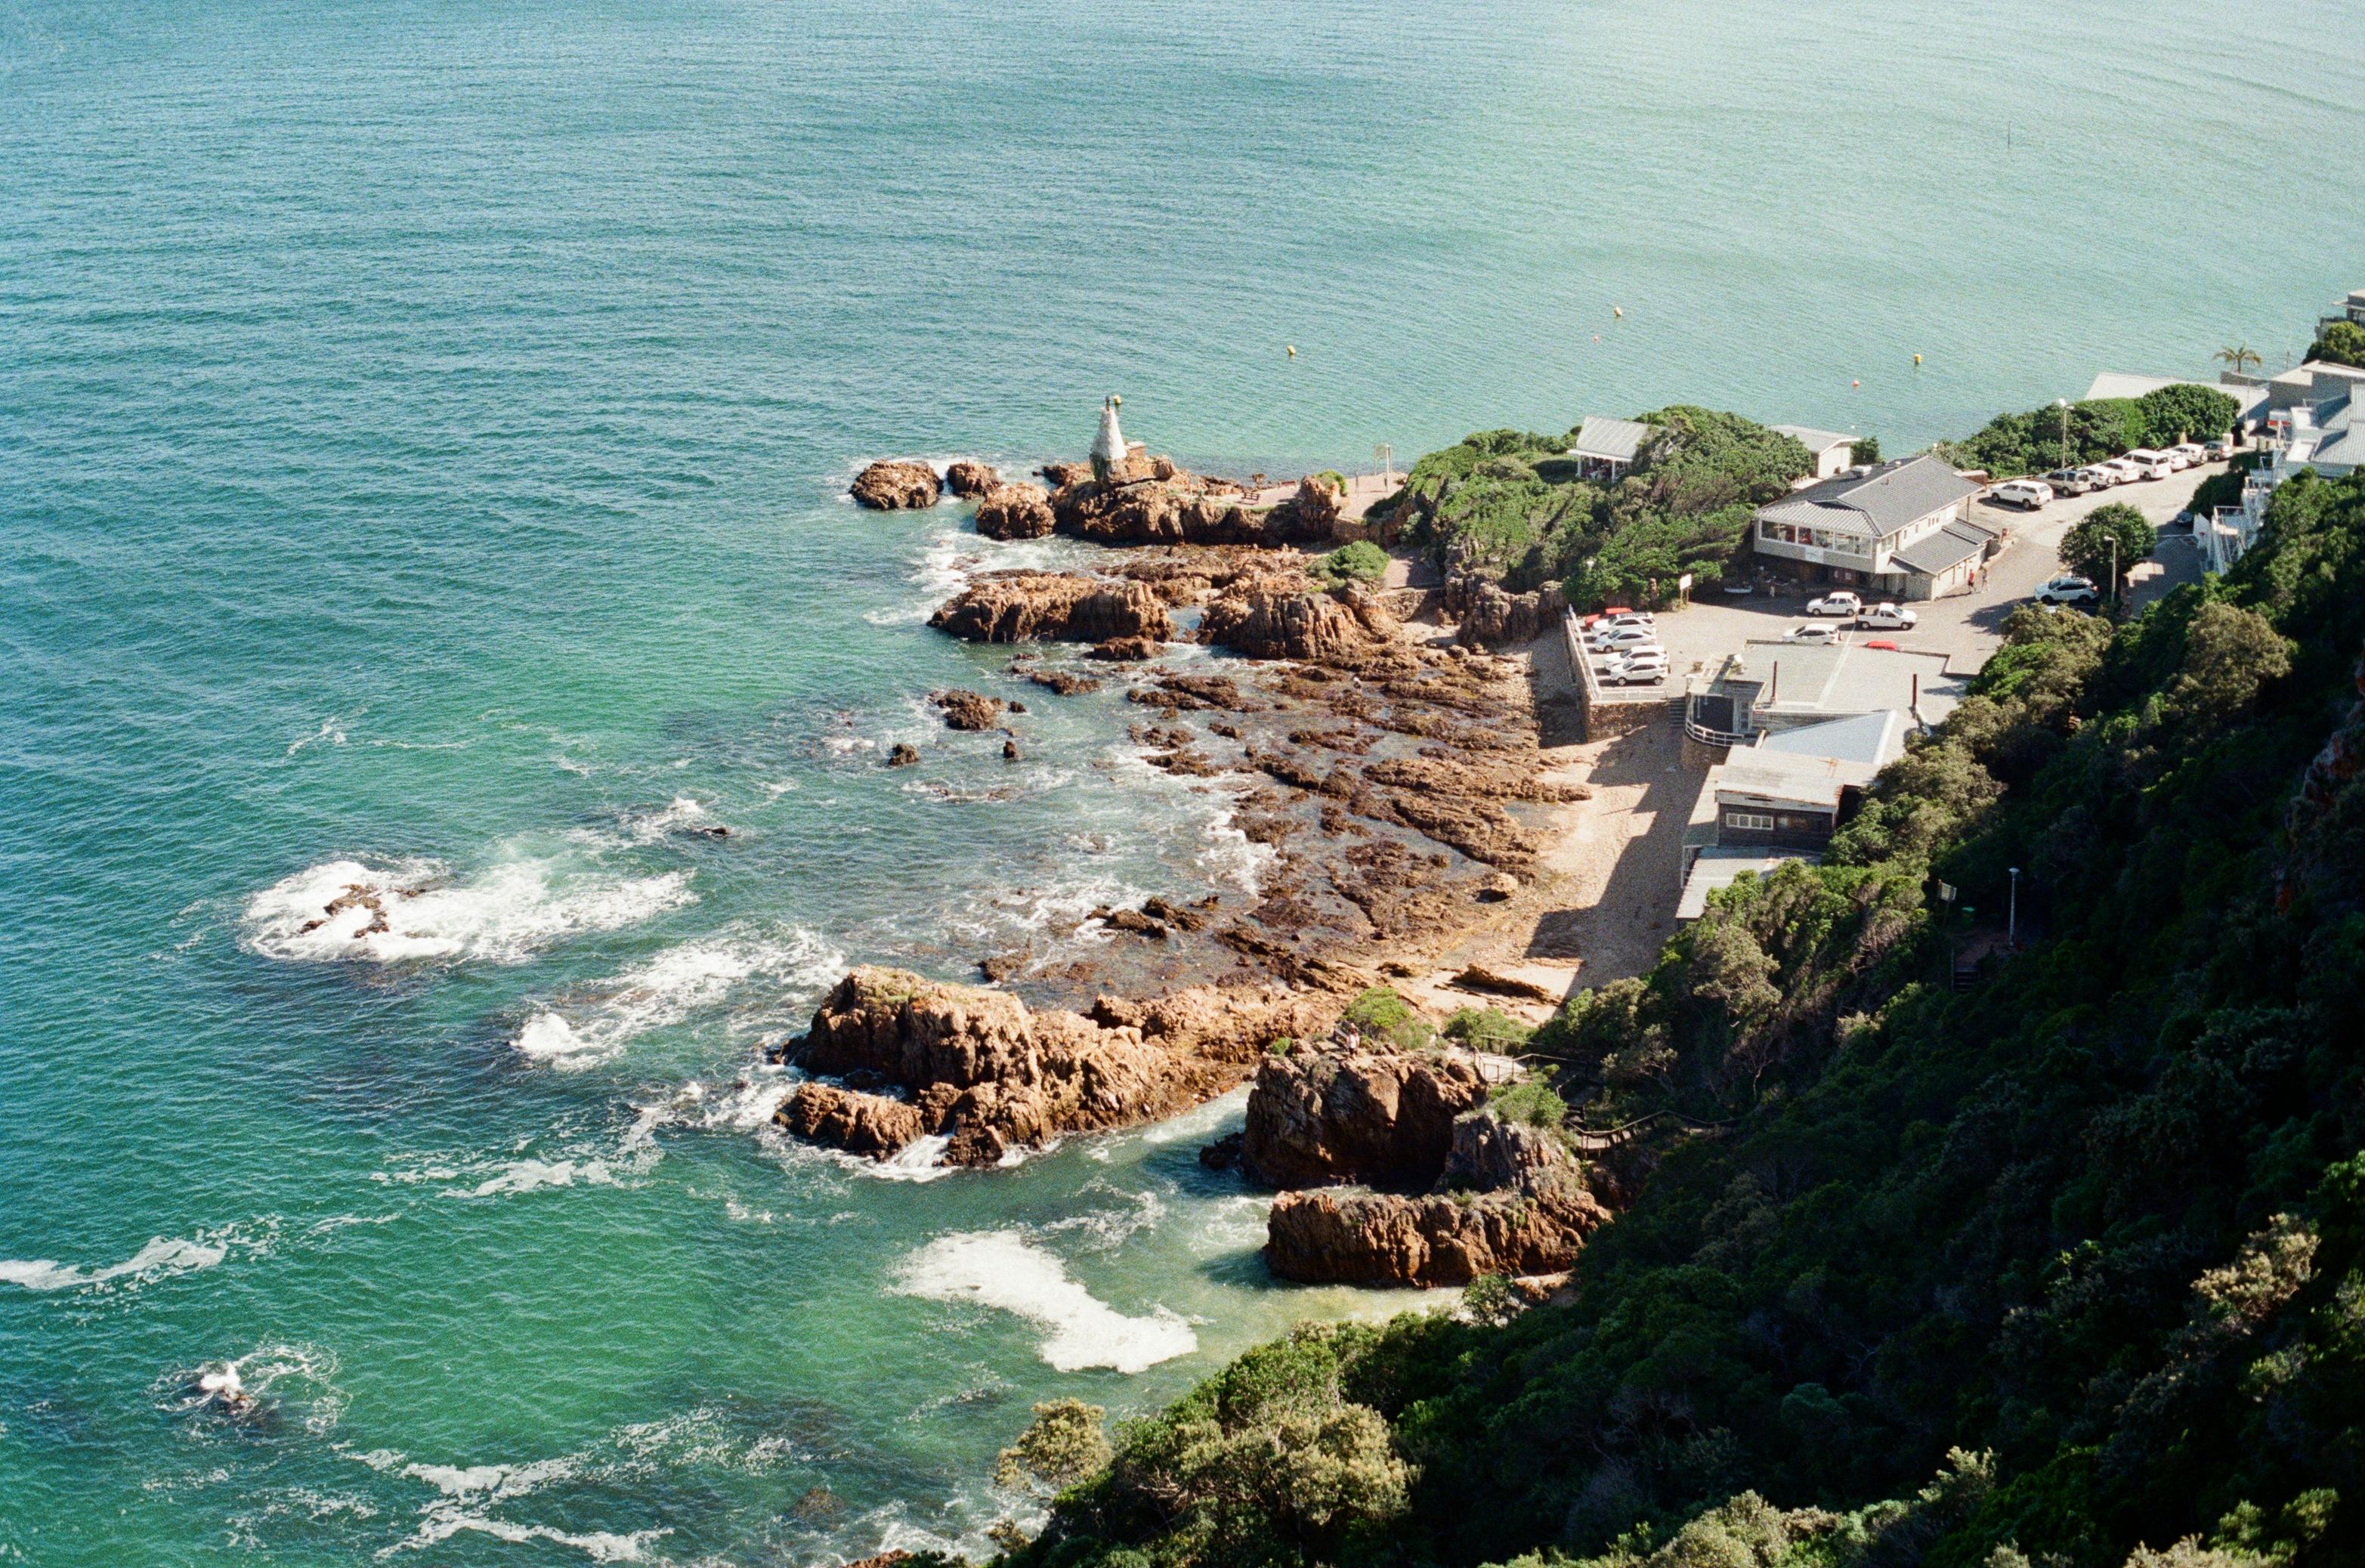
(422, 434)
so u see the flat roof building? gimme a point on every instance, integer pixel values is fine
(1781, 799)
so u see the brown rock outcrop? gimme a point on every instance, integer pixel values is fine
(1018, 607)
(1314, 512)
(903, 755)
(982, 1069)
(894, 486)
(1382, 1118)
(1493, 617)
(1123, 650)
(869, 1124)
(989, 1075)
(966, 479)
(1060, 475)
(1319, 628)
(1014, 511)
(1520, 1207)
(968, 710)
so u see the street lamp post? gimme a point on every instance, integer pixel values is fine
(2063, 404)
(2012, 920)
(2114, 571)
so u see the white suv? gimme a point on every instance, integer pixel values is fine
(1840, 603)
(2068, 590)
(1643, 667)
(1609, 638)
(2030, 494)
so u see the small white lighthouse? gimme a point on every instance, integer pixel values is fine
(1108, 447)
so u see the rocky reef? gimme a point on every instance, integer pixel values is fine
(1023, 607)
(895, 485)
(916, 1057)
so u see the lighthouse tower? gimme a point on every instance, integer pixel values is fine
(1108, 447)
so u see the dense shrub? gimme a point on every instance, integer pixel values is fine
(1383, 1017)
(2086, 1244)
(1358, 562)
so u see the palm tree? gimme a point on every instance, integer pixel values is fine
(2238, 356)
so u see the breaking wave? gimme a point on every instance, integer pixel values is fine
(163, 1255)
(1005, 1271)
(674, 985)
(344, 909)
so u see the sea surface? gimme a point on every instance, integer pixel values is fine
(423, 430)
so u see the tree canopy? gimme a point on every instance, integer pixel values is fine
(2114, 536)
(2068, 1268)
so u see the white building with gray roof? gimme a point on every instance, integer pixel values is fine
(1898, 529)
(1832, 451)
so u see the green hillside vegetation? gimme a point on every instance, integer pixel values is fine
(1508, 502)
(2068, 1268)
(2010, 445)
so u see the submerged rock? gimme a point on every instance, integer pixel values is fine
(1020, 607)
(896, 486)
(903, 755)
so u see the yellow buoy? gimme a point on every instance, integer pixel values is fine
(1619, 311)
(1917, 359)
(1292, 351)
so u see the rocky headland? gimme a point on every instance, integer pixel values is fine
(1392, 779)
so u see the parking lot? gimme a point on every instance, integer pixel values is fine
(1967, 626)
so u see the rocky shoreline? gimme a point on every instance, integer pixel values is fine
(1393, 777)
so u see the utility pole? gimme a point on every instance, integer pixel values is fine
(2012, 920)
(2063, 404)
(2114, 583)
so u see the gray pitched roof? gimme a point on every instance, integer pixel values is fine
(1615, 439)
(1876, 738)
(1879, 501)
(1815, 441)
(1950, 546)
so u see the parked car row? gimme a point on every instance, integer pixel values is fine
(1624, 645)
(2143, 462)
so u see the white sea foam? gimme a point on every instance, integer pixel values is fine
(527, 1175)
(1004, 1270)
(163, 1255)
(671, 986)
(344, 909)
(650, 827)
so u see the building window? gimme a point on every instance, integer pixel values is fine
(1750, 822)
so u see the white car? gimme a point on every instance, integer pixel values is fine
(1811, 633)
(1643, 667)
(2068, 590)
(2192, 451)
(1841, 603)
(2122, 471)
(2029, 494)
(2148, 464)
(2097, 477)
(1887, 618)
(1620, 637)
